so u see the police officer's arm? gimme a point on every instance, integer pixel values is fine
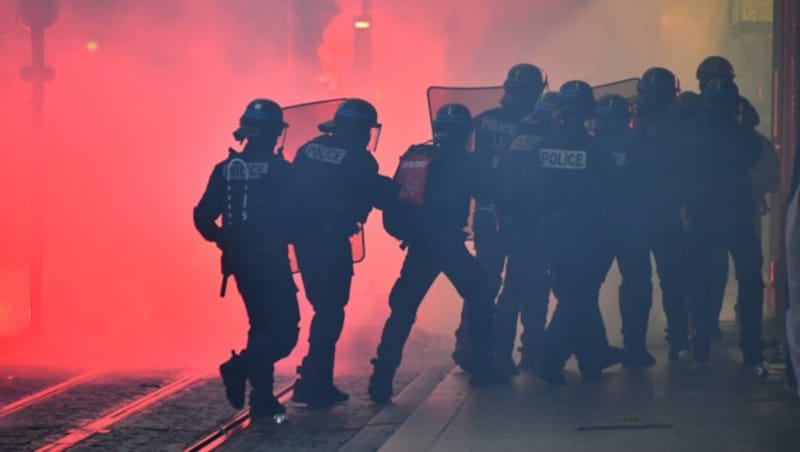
(366, 184)
(210, 208)
(386, 195)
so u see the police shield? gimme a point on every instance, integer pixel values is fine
(481, 98)
(304, 120)
(625, 88)
(476, 99)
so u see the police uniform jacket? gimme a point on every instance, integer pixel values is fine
(340, 181)
(253, 196)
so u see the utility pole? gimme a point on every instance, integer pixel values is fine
(37, 15)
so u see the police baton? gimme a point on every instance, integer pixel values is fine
(224, 286)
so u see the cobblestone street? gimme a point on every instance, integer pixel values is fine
(184, 417)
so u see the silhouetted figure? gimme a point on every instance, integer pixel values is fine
(251, 192)
(437, 181)
(720, 216)
(526, 289)
(659, 115)
(569, 201)
(626, 236)
(340, 176)
(494, 131)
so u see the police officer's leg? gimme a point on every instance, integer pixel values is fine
(748, 259)
(636, 291)
(707, 250)
(534, 309)
(271, 302)
(587, 271)
(491, 254)
(420, 269)
(478, 290)
(516, 290)
(326, 268)
(670, 250)
(718, 287)
(557, 343)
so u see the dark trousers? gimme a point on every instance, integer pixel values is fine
(525, 296)
(576, 268)
(270, 298)
(326, 267)
(626, 240)
(744, 245)
(707, 254)
(490, 250)
(670, 249)
(423, 263)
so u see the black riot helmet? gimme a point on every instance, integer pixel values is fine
(352, 113)
(354, 120)
(262, 119)
(452, 125)
(721, 96)
(714, 67)
(575, 102)
(656, 90)
(612, 112)
(523, 86)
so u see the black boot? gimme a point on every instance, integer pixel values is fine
(313, 390)
(263, 407)
(506, 368)
(380, 383)
(610, 357)
(634, 357)
(550, 375)
(234, 377)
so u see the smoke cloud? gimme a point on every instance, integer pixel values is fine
(145, 97)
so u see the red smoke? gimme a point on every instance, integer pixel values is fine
(143, 103)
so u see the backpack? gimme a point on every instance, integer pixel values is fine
(411, 176)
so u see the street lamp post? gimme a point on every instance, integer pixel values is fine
(37, 15)
(362, 43)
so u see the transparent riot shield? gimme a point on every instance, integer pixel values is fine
(303, 120)
(625, 88)
(479, 99)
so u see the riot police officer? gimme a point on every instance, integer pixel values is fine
(570, 205)
(250, 191)
(626, 228)
(431, 226)
(494, 131)
(745, 246)
(657, 130)
(720, 211)
(341, 177)
(526, 288)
